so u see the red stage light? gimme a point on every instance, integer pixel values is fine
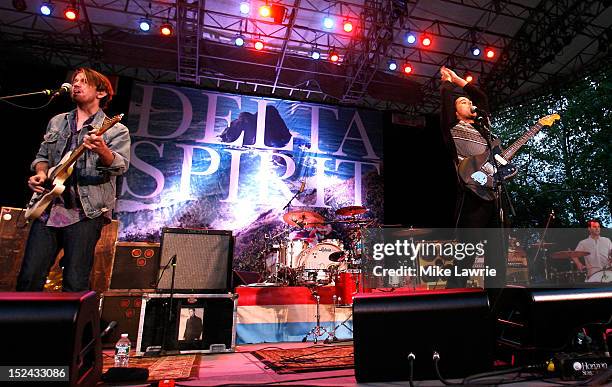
(259, 45)
(166, 29)
(333, 56)
(71, 13)
(426, 41)
(407, 68)
(469, 78)
(489, 53)
(265, 11)
(347, 26)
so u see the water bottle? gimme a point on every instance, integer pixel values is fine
(122, 351)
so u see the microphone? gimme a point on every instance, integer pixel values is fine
(302, 186)
(111, 325)
(477, 110)
(65, 88)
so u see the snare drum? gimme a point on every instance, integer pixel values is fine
(602, 276)
(315, 277)
(347, 284)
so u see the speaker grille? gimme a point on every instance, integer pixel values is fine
(203, 259)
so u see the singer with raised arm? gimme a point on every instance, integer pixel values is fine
(465, 138)
(83, 152)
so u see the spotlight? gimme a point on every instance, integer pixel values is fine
(475, 51)
(328, 22)
(46, 8)
(239, 40)
(490, 53)
(278, 12)
(145, 24)
(347, 26)
(410, 38)
(71, 13)
(469, 78)
(166, 29)
(20, 5)
(426, 41)
(265, 11)
(407, 68)
(259, 45)
(315, 54)
(245, 8)
(392, 65)
(333, 56)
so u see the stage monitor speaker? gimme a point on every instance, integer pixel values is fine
(136, 265)
(533, 324)
(53, 330)
(203, 260)
(388, 327)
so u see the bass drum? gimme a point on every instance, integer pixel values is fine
(602, 276)
(315, 264)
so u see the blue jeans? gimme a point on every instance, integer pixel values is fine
(44, 243)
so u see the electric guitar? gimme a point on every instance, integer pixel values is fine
(476, 172)
(57, 176)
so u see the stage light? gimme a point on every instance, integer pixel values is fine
(490, 53)
(166, 29)
(259, 45)
(20, 5)
(475, 51)
(245, 8)
(278, 12)
(392, 65)
(46, 8)
(239, 40)
(315, 54)
(333, 56)
(426, 41)
(410, 38)
(347, 26)
(71, 13)
(328, 22)
(469, 78)
(407, 68)
(265, 11)
(145, 24)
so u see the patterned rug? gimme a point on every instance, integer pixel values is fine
(164, 367)
(310, 359)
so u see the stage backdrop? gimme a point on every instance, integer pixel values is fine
(232, 162)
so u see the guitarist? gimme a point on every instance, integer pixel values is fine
(75, 219)
(465, 139)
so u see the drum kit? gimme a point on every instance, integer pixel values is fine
(308, 253)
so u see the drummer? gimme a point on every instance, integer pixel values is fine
(598, 247)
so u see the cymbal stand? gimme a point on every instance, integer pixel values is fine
(332, 336)
(317, 331)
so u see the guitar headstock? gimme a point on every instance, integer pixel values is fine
(549, 119)
(109, 123)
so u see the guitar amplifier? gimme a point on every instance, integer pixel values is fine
(13, 235)
(136, 265)
(124, 308)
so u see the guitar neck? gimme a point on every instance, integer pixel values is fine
(509, 152)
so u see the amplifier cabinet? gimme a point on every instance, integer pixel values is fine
(124, 308)
(135, 266)
(188, 323)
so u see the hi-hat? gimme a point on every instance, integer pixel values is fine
(351, 211)
(569, 254)
(541, 244)
(303, 218)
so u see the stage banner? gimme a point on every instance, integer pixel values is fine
(233, 162)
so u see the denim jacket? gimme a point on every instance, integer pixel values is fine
(96, 183)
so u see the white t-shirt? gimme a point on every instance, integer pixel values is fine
(599, 251)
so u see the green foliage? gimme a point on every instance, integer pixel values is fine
(566, 167)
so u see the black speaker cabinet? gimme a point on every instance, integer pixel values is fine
(53, 330)
(203, 323)
(533, 324)
(124, 308)
(388, 327)
(203, 260)
(136, 265)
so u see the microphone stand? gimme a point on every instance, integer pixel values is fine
(171, 261)
(540, 245)
(44, 92)
(293, 198)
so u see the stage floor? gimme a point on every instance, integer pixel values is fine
(243, 368)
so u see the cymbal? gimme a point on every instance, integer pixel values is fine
(568, 254)
(410, 232)
(544, 245)
(303, 218)
(337, 256)
(351, 211)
